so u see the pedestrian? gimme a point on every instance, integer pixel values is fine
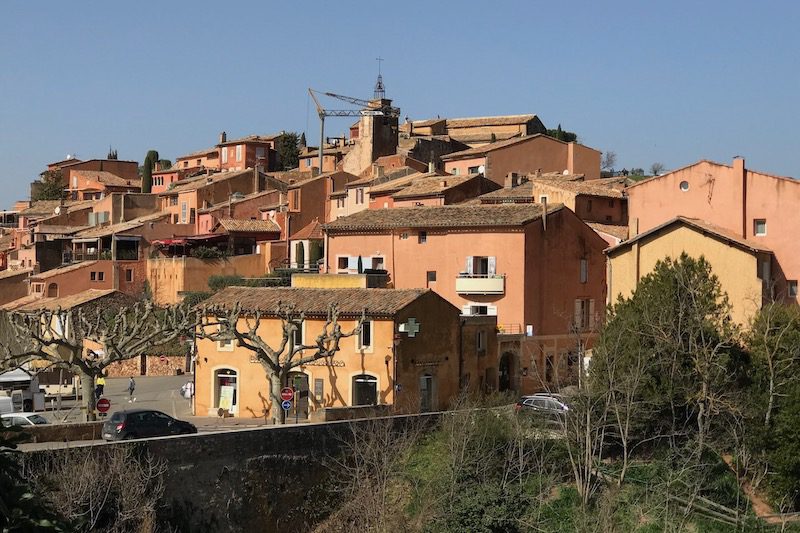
(100, 386)
(131, 388)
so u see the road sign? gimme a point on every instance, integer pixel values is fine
(163, 358)
(286, 404)
(287, 394)
(103, 405)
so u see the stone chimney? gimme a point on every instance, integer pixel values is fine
(377, 170)
(431, 166)
(223, 137)
(512, 180)
(443, 183)
(538, 172)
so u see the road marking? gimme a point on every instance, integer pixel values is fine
(172, 397)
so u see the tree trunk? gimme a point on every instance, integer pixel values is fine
(87, 389)
(277, 413)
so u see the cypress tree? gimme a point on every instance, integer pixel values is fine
(147, 172)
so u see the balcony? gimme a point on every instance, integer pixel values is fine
(480, 284)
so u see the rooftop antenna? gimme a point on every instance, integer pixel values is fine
(380, 91)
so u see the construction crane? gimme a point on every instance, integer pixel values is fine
(378, 107)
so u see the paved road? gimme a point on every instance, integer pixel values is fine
(161, 393)
(152, 392)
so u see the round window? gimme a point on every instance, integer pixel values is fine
(684, 186)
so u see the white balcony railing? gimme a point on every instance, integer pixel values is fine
(481, 284)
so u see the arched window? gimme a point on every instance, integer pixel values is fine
(365, 390)
(52, 290)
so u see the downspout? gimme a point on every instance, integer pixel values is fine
(461, 323)
(395, 388)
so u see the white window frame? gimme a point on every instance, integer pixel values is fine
(184, 211)
(224, 154)
(238, 152)
(360, 347)
(756, 222)
(224, 345)
(302, 331)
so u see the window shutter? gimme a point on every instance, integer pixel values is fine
(578, 313)
(491, 310)
(468, 270)
(492, 265)
(591, 313)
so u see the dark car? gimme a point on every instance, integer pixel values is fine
(550, 407)
(143, 423)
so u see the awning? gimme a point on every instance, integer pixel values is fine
(86, 240)
(170, 242)
(126, 237)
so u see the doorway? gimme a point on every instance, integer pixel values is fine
(299, 382)
(226, 390)
(427, 393)
(505, 380)
(365, 390)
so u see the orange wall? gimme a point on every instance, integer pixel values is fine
(434, 350)
(730, 197)
(542, 273)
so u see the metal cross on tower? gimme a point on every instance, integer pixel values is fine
(380, 91)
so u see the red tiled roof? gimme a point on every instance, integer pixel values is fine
(311, 231)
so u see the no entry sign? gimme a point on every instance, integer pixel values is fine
(103, 405)
(287, 394)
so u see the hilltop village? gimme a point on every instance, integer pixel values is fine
(480, 253)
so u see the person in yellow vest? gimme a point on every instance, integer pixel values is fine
(100, 384)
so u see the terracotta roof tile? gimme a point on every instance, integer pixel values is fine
(486, 148)
(448, 216)
(701, 226)
(122, 227)
(74, 300)
(620, 231)
(316, 302)
(500, 120)
(212, 150)
(251, 139)
(46, 208)
(5, 274)
(248, 226)
(198, 182)
(433, 185)
(47, 274)
(311, 231)
(107, 178)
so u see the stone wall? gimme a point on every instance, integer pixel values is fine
(265, 479)
(153, 366)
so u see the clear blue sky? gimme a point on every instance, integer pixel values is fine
(673, 82)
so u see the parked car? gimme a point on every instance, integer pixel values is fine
(551, 407)
(22, 419)
(143, 423)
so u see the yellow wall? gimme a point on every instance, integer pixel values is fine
(168, 276)
(253, 387)
(735, 268)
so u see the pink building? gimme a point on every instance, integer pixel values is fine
(525, 155)
(755, 206)
(540, 276)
